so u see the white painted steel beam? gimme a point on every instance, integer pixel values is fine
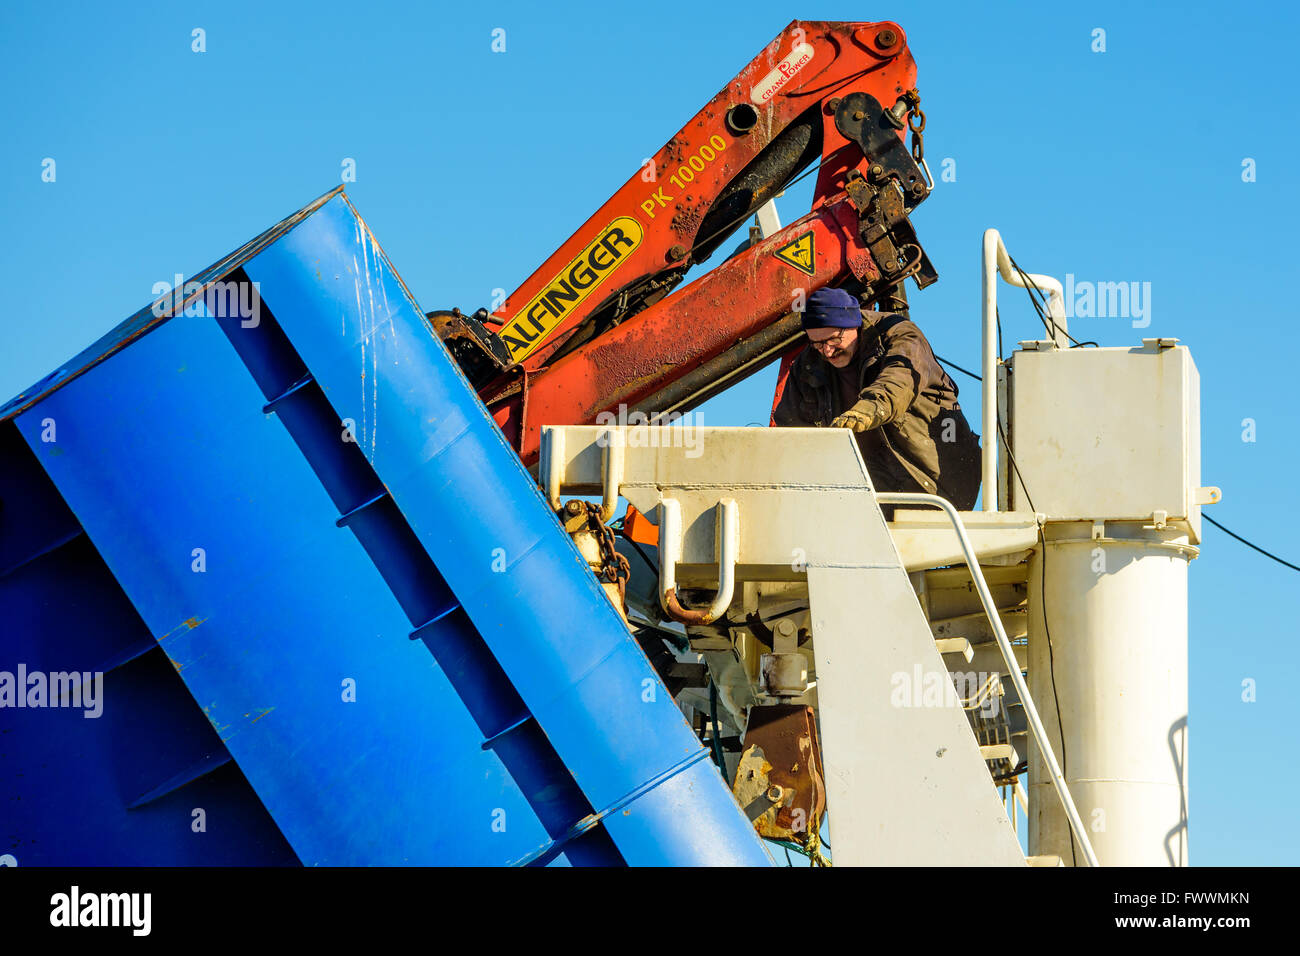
(906, 784)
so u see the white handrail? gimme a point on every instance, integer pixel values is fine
(998, 262)
(1008, 657)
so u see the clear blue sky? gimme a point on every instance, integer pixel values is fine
(471, 167)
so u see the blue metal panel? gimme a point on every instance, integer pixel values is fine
(538, 730)
(483, 521)
(286, 610)
(151, 316)
(77, 784)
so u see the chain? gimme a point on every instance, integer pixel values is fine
(916, 123)
(614, 567)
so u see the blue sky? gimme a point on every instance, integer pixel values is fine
(471, 167)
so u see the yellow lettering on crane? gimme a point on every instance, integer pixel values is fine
(543, 315)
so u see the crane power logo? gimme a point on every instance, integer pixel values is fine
(799, 56)
(540, 317)
(799, 253)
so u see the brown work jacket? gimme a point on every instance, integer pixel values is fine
(911, 401)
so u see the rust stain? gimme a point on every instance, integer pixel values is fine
(188, 624)
(261, 715)
(686, 221)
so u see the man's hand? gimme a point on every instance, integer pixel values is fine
(854, 420)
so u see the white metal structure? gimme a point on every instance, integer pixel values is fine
(1107, 447)
(1044, 750)
(1075, 595)
(906, 780)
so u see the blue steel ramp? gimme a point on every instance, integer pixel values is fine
(332, 610)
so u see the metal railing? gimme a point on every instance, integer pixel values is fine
(1008, 657)
(998, 262)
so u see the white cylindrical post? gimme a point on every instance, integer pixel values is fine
(1116, 608)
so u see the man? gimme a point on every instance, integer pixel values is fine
(874, 373)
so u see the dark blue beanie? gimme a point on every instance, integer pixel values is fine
(832, 309)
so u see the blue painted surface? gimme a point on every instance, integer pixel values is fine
(122, 785)
(163, 447)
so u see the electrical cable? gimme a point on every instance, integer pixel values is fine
(964, 371)
(1031, 287)
(1267, 554)
(1048, 323)
(715, 741)
(644, 557)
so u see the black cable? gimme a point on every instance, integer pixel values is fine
(1042, 538)
(644, 557)
(964, 371)
(1014, 467)
(715, 741)
(1047, 630)
(1048, 323)
(1051, 655)
(1267, 554)
(1249, 544)
(1051, 665)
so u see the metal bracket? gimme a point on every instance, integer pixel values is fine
(480, 352)
(893, 187)
(1159, 345)
(1209, 495)
(1159, 520)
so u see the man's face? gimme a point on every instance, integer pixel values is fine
(835, 345)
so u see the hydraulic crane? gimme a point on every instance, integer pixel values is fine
(832, 658)
(602, 327)
(599, 327)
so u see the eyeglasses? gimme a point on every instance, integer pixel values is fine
(835, 340)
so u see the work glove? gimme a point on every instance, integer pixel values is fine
(855, 419)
